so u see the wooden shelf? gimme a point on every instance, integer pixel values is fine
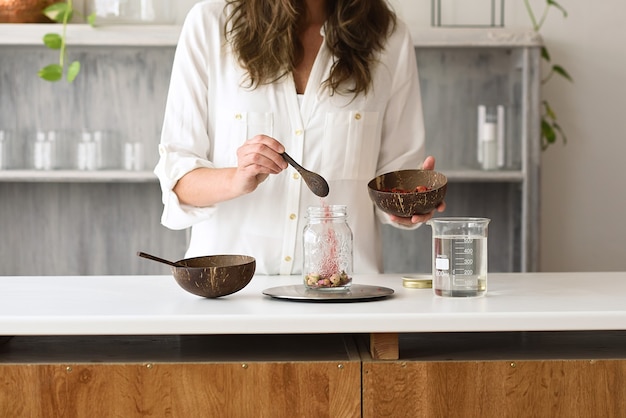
(484, 176)
(82, 34)
(475, 37)
(116, 176)
(167, 35)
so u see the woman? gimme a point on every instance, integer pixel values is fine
(334, 83)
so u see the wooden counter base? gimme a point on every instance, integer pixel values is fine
(384, 346)
(499, 375)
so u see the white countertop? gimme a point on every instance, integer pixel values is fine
(156, 305)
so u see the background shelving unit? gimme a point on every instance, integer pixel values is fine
(93, 222)
(69, 221)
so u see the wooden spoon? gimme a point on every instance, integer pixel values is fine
(316, 183)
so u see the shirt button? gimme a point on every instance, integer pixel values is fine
(238, 116)
(288, 259)
(296, 176)
(292, 216)
(357, 116)
(298, 132)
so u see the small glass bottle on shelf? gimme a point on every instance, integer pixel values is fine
(327, 244)
(131, 11)
(489, 146)
(44, 150)
(491, 137)
(4, 149)
(86, 152)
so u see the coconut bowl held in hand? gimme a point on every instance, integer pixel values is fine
(406, 193)
(410, 197)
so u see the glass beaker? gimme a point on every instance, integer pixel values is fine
(459, 256)
(327, 247)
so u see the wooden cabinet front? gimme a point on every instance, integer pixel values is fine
(499, 389)
(272, 380)
(256, 389)
(500, 375)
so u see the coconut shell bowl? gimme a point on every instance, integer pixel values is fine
(211, 276)
(406, 193)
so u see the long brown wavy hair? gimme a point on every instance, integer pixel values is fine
(264, 36)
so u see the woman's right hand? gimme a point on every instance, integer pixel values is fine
(257, 158)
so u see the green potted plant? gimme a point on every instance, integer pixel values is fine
(61, 12)
(550, 128)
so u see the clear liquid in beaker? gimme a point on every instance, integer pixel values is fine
(460, 265)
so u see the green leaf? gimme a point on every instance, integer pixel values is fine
(557, 127)
(562, 72)
(558, 6)
(52, 72)
(52, 40)
(91, 19)
(548, 110)
(58, 11)
(545, 54)
(72, 71)
(548, 132)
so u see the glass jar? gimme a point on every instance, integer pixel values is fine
(327, 240)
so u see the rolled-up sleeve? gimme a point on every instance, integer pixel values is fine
(171, 167)
(185, 143)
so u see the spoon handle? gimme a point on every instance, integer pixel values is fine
(292, 162)
(158, 259)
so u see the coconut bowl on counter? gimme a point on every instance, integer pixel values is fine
(211, 276)
(405, 193)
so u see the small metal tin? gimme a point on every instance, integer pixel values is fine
(417, 281)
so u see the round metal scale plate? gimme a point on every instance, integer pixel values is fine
(356, 293)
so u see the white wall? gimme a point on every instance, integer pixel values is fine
(583, 187)
(583, 183)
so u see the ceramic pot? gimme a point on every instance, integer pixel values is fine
(24, 11)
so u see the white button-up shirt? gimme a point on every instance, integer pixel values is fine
(210, 112)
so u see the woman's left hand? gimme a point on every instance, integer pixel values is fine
(429, 164)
